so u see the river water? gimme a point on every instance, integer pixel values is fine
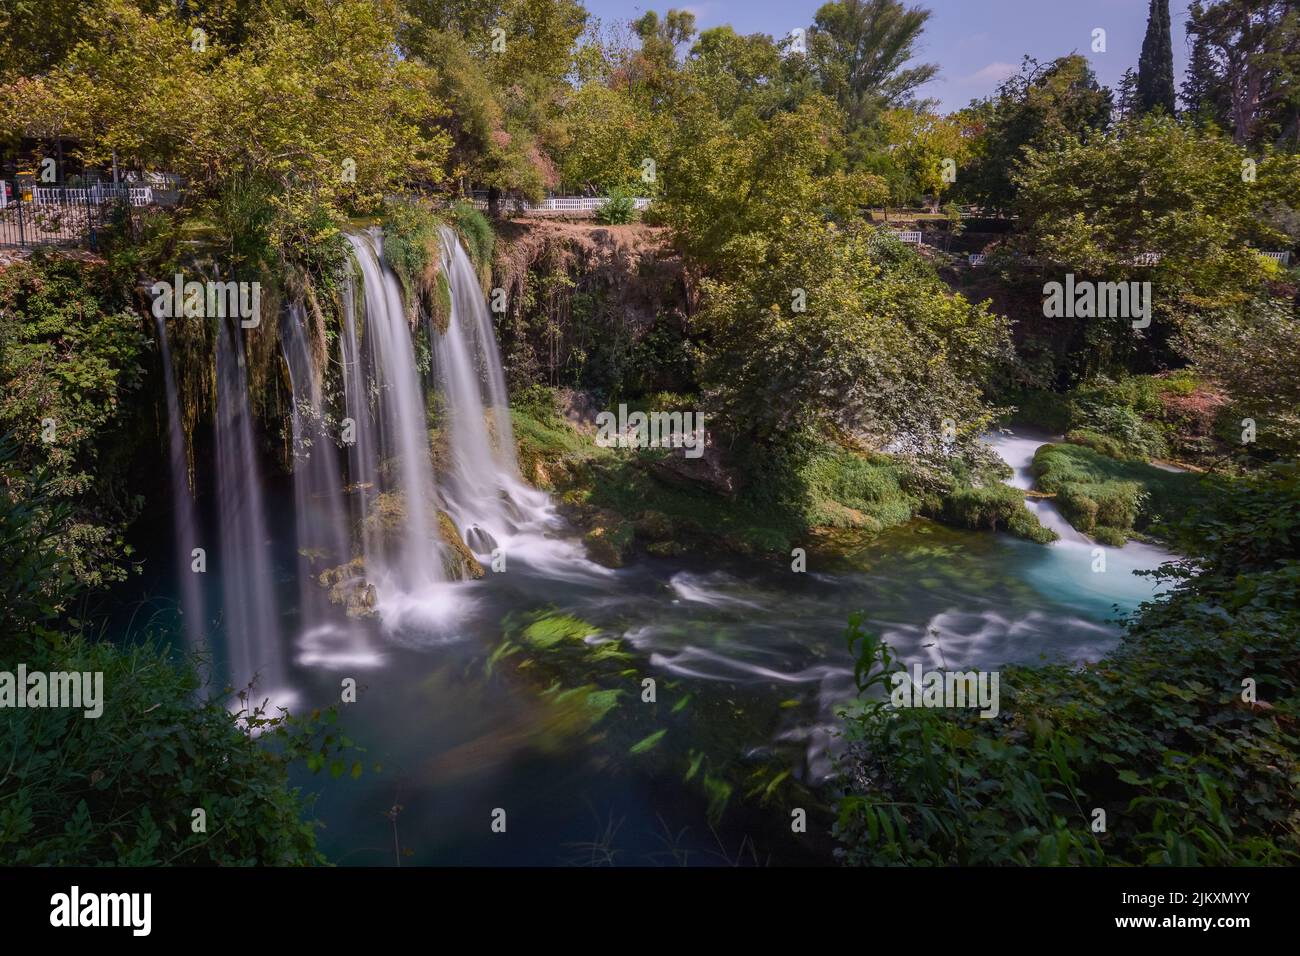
(555, 711)
(754, 649)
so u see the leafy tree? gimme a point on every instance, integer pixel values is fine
(501, 66)
(35, 35)
(1153, 186)
(1251, 351)
(606, 137)
(726, 188)
(536, 37)
(1126, 97)
(840, 327)
(661, 39)
(738, 72)
(1155, 81)
(1045, 104)
(70, 357)
(287, 111)
(1203, 93)
(920, 143)
(488, 147)
(861, 48)
(1246, 62)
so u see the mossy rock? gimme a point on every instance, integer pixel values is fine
(457, 559)
(992, 507)
(347, 586)
(608, 539)
(386, 519)
(1103, 444)
(439, 303)
(655, 526)
(550, 629)
(440, 451)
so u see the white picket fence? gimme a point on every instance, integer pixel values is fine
(977, 258)
(560, 204)
(94, 195)
(1283, 257)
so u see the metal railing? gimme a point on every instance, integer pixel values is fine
(40, 216)
(99, 194)
(557, 204)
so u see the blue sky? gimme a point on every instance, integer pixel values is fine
(975, 42)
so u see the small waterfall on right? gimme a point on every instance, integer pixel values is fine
(1068, 566)
(404, 552)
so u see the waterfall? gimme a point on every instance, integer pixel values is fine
(1071, 569)
(363, 461)
(485, 495)
(327, 637)
(250, 609)
(185, 524)
(367, 495)
(406, 561)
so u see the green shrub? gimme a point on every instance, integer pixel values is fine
(822, 485)
(410, 244)
(620, 208)
(1113, 503)
(476, 231)
(1129, 412)
(121, 789)
(1097, 442)
(72, 354)
(993, 507)
(1094, 489)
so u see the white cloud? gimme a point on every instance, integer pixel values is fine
(993, 73)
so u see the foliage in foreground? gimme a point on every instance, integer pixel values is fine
(1157, 735)
(71, 355)
(122, 788)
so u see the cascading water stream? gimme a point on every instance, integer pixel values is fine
(250, 610)
(486, 498)
(321, 529)
(184, 522)
(363, 460)
(1071, 564)
(410, 579)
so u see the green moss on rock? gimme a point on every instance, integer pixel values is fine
(457, 559)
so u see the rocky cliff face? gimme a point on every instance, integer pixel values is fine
(601, 307)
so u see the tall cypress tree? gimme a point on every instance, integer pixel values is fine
(1155, 85)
